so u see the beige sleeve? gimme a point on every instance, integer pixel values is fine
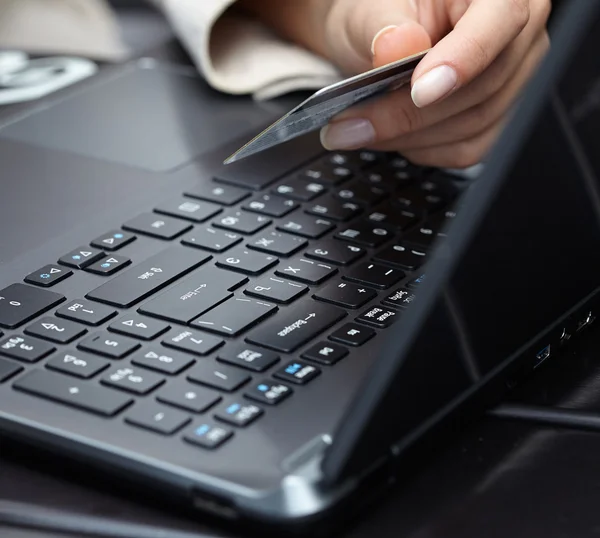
(239, 55)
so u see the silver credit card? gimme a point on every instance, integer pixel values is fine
(318, 109)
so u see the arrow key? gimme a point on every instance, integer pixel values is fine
(48, 275)
(139, 327)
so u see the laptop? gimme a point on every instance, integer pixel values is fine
(270, 341)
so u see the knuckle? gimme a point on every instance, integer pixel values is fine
(402, 120)
(521, 12)
(480, 117)
(465, 154)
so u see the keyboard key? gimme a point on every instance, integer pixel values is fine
(148, 277)
(110, 345)
(247, 261)
(276, 290)
(8, 369)
(268, 392)
(379, 316)
(157, 418)
(208, 435)
(234, 316)
(375, 275)
(81, 257)
(298, 372)
(20, 303)
(292, 328)
(326, 173)
(109, 265)
(352, 334)
(197, 294)
(335, 252)
(61, 331)
(86, 312)
(248, 357)
(423, 237)
(113, 240)
(157, 226)
(306, 226)
(418, 201)
(358, 160)
(307, 271)
(365, 233)
(400, 298)
(360, 192)
(219, 194)
(139, 327)
(297, 189)
(49, 275)
(325, 353)
(218, 376)
(402, 256)
(242, 222)
(193, 342)
(162, 360)
(272, 206)
(69, 391)
(188, 396)
(277, 244)
(238, 413)
(382, 178)
(134, 380)
(334, 209)
(211, 239)
(392, 217)
(77, 363)
(25, 348)
(416, 282)
(189, 209)
(345, 294)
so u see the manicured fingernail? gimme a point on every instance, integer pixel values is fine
(434, 85)
(347, 134)
(379, 34)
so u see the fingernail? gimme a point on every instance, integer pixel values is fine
(434, 85)
(347, 134)
(384, 30)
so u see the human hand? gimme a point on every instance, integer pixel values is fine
(484, 52)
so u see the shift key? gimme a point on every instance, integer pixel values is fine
(290, 330)
(148, 277)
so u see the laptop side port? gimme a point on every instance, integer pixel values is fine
(542, 355)
(586, 321)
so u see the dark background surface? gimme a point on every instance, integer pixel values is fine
(499, 477)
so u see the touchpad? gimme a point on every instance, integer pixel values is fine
(156, 118)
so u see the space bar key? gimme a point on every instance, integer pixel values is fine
(148, 277)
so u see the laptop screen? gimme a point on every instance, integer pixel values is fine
(523, 252)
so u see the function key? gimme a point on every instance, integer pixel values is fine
(114, 240)
(193, 342)
(139, 327)
(57, 330)
(334, 208)
(298, 372)
(248, 357)
(211, 239)
(47, 276)
(307, 271)
(392, 217)
(242, 222)
(187, 396)
(246, 261)
(8, 369)
(162, 360)
(402, 256)
(25, 348)
(86, 312)
(219, 194)
(109, 265)
(400, 298)
(345, 294)
(20, 303)
(325, 353)
(299, 190)
(378, 316)
(77, 363)
(278, 244)
(360, 192)
(189, 209)
(375, 275)
(269, 392)
(217, 376)
(272, 206)
(352, 334)
(276, 290)
(335, 252)
(81, 257)
(365, 233)
(238, 413)
(306, 226)
(133, 380)
(208, 435)
(157, 226)
(157, 418)
(109, 345)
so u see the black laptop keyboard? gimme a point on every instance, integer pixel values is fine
(211, 354)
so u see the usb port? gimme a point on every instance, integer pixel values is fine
(588, 320)
(542, 355)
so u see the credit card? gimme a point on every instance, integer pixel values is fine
(318, 109)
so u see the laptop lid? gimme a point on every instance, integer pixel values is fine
(519, 257)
